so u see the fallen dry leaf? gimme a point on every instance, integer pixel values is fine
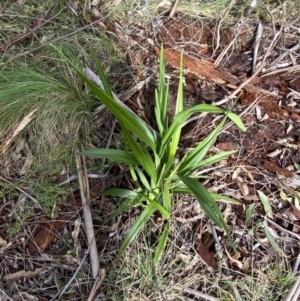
(208, 257)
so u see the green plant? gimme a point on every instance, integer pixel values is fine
(263, 224)
(151, 157)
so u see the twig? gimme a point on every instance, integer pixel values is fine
(219, 27)
(250, 8)
(59, 295)
(218, 245)
(240, 87)
(293, 294)
(282, 229)
(21, 190)
(96, 285)
(4, 293)
(236, 292)
(221, 55)
(283, 55)
(287, 69)
(259, 33)
(296, 265)
(22, 36)
(219, 251)
(85, 195)
(49, 42)
(200, 295)
(25, 121)
(174, 9)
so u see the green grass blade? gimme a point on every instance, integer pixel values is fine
(119, 156)
(135, 229)
(215, 196)
(271, 239)
(162, 243)
(249, 215)
(208, 204)
(162, 97)
(127, 204)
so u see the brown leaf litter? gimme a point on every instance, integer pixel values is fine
(273, 128)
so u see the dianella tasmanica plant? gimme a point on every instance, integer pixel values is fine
(151, 157)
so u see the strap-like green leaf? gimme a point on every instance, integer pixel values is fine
(130, 120)
(206, 201)
(207, 162)
(143, 157)
(236, 120)
(271, 239)
(266, 203)
(182, 116)
(121, 193)
(143, 178)
(224, 198)
(137, 226)
(127, 204)
(178, 109)
(119, 156)
(156, 202)
(200, 151)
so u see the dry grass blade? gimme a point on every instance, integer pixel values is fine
(97, 284)
(294, 293)
(245, 83)
(26, 120)
(85, 196)
(200, 295)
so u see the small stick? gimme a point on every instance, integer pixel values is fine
(294, 292)
(72, 278)
(240, 87)
(219, 27)
(259, 33)
(85, 196)
(21, 190)
(174, 9)
(96, 285)
(282, 229)
(287, 69)
(200, 295)
(22, 36)
(19, 55)
(296, 265)
(4, 293)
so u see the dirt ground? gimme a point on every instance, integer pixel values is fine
(218, 70)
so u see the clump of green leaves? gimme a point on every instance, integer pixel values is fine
(151, 157)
